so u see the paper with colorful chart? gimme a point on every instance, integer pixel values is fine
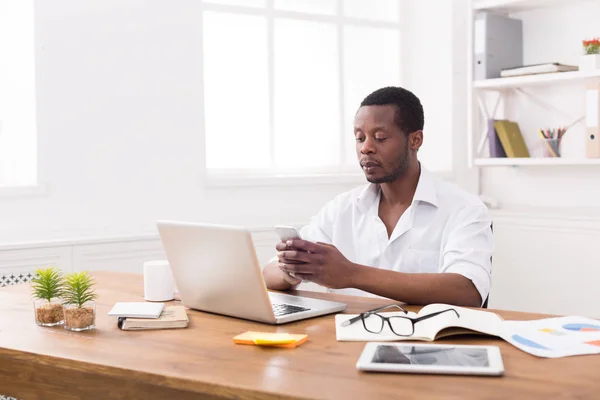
(554, 337)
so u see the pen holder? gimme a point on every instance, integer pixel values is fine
(552, 147)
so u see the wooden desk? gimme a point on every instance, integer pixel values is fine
(203, 362)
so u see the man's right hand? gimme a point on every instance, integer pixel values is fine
(292, 280)
(275, 277)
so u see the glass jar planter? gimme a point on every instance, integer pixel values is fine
(48, 313)
(80, 318)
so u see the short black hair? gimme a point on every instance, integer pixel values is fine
(409, 111)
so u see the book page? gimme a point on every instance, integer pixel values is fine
(485, 322)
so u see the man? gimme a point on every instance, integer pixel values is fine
(406, 235)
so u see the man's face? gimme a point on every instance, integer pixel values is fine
(382, 148)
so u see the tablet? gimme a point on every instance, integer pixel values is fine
(431, 359)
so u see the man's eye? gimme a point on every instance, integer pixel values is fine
(380, 139)
(360, 140)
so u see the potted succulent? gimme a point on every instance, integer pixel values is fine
(590, 60)
(46, 289)
(78, 299)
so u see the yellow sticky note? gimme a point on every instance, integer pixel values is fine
(273, 338)
(270, 339)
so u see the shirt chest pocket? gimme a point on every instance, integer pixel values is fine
(420, 261)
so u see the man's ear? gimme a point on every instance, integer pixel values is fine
(415, 140)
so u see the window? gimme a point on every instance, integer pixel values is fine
(284, 78)
(18, 135)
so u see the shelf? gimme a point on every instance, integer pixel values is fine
(554, 78)
(499, 162)
(512, 6)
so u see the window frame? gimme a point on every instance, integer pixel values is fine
(38, 188)
(343, 173)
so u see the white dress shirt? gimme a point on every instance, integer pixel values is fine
(445, 229)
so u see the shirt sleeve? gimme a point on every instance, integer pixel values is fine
(469, 247)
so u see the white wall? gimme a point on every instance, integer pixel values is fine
(119, 118)
(119, 103)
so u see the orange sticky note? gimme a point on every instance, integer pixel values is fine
(287, 340)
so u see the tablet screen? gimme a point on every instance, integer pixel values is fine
(431, 355)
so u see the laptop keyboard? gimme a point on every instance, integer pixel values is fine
(285, 309)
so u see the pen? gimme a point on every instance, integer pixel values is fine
(358, 317)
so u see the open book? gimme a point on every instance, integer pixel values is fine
(549, 337)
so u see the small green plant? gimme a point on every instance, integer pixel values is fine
(47, 284)
(78, 289)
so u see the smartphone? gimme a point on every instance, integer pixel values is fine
(287, 233)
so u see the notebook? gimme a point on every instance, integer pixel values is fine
(548, 337)
(134, 309)
(171, 317)
(511, 138)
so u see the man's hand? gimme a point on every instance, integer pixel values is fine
(316, 262)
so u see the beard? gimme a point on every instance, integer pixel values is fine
(399, 169)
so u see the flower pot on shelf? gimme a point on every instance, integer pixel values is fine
(48, 313)
(80, 318)
(589, 62)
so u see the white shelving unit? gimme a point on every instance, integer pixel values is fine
(567, 78)
(515, 162)
(511, 6)
(503, 87)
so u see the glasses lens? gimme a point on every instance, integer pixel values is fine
(373, 323)
(401, 326)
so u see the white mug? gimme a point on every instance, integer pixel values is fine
(158, 281)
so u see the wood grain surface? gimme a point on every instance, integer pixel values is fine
(203, 362)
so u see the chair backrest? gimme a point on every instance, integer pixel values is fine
(487, 299)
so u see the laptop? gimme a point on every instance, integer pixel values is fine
(216, 269)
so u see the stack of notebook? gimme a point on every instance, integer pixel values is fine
(535, 69)
(135, 316)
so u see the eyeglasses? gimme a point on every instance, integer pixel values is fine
(359, 316)
(399, 325)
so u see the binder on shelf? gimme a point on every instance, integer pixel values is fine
(511, 138)
(497, 44)
(592, 120)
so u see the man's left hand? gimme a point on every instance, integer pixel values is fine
(321, 263)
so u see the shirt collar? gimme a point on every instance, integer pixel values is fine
(425, 192)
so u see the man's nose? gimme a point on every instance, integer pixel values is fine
(368, 146)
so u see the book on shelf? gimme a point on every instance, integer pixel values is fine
(496, 149)
(535, 69)
(171, 317)
(549, 337)
(511, 138)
